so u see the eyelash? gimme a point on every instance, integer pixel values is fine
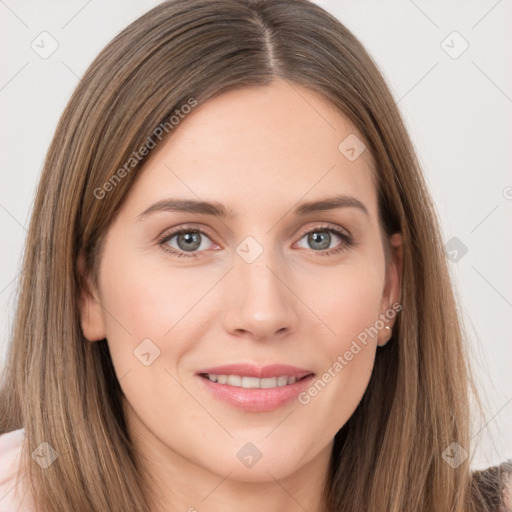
(348, 241)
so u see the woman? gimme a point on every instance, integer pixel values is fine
(234, 291)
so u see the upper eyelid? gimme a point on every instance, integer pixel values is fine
(172, 232)
(327, 226)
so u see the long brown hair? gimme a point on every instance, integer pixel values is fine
(63, 389)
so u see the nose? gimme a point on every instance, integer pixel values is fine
(260, 305)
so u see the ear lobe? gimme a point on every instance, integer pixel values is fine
(91, 314)
(392, 289)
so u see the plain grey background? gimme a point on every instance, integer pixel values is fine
(448, 66)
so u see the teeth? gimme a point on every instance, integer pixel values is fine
(252, 382)
(234, 380)
(282, 381)
(267, 383)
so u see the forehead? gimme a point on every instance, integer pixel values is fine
(259, 146)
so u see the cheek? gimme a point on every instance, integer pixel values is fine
(148, 299)
(351, 351)
(348, 301)
(350, 310)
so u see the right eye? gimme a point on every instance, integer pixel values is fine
(185, 242)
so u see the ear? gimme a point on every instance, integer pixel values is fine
(392, 287)
(91, 312)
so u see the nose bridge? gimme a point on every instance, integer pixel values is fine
(259, 271)
(260, 301)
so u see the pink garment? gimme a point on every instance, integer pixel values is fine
(13, 497)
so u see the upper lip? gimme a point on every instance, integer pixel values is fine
(262, 372)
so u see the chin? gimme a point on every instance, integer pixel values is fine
(249, 466)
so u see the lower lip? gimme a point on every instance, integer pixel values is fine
(256, 399)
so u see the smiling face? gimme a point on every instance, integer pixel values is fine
(269, 282)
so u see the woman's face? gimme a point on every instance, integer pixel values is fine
(283, 286)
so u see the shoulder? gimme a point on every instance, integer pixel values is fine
(12, 481)
(494, 485)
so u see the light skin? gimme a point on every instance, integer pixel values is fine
(261, 152)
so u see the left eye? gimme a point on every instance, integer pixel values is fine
(320, 239)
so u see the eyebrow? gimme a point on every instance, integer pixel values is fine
(219, 210)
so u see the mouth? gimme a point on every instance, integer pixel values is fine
(255, 389)
(246, 382)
